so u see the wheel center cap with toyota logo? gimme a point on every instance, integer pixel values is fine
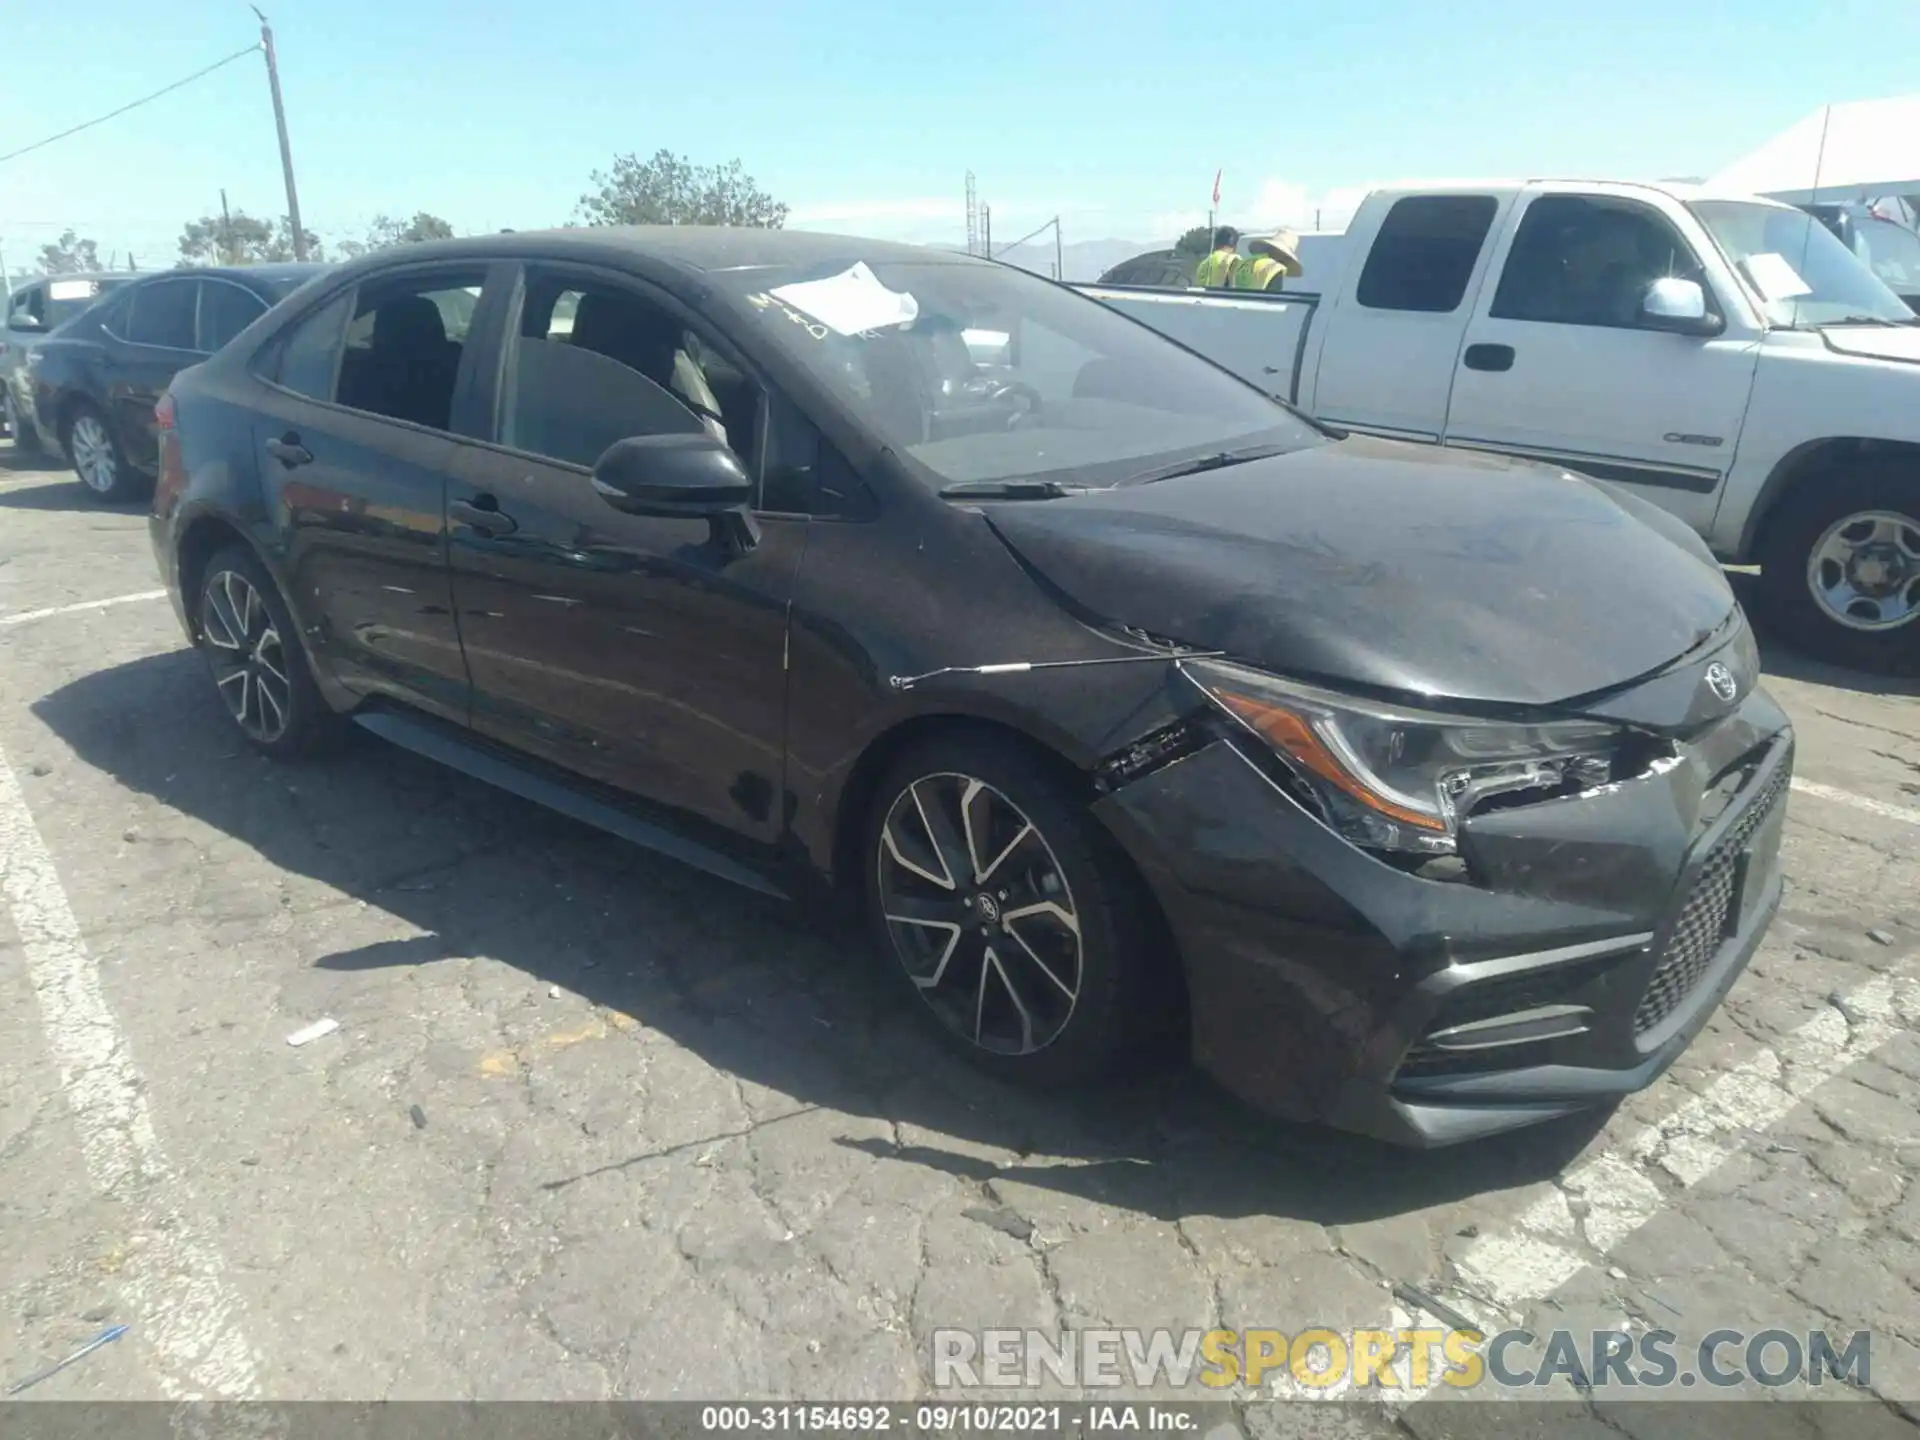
(987, 908)
(1721, 681)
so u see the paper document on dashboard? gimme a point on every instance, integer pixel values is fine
(852, 301)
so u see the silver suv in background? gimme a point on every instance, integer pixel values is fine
(34, 311)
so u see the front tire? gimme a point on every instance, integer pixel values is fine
(1840, 567)
(97, 458)
(260, 669)
(1007, 912)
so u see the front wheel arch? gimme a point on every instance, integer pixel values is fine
(1884, 481)
(1809, 464)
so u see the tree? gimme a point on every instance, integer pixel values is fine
(1197, 241)
(69, 254)
(671, 190)
(386, 232)
(241, 239)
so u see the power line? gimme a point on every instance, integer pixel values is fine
(131, 105)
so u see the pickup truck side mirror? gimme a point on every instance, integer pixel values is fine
(1679, 307)
(21, 321)
(681, 477)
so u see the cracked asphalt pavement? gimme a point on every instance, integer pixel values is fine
(594, 1126)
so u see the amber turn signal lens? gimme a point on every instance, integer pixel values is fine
(1293, 737)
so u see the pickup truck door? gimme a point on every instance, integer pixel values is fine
(1559, 365)
(1389, 344)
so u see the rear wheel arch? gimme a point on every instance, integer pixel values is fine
(205, 537)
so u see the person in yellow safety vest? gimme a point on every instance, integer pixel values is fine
(1271, 261)
(1215, 270)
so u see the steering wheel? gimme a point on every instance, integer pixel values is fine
(1023, 398)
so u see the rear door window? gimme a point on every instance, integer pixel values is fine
(306, 357)
(1425, 252)
(404, 346)
(225, 310)
(163, 314)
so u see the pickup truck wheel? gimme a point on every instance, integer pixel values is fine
(1841, 570)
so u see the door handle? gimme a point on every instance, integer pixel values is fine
(1488, 357)
(289, 451)
(483, 513)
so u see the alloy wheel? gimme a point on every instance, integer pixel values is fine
(1864, 572)
(93, 456)
(249, 662)
(980, 913)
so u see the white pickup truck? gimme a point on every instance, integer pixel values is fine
(1723, 356)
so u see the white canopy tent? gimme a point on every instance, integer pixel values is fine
(1863, 150)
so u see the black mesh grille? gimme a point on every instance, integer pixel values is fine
(1702, 927)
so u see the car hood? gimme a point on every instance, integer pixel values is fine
(1408, 568)
(1874, 342)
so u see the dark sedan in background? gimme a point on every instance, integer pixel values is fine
(92, 388)
(1115, 695)
(35, 310)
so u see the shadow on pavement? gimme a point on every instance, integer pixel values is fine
(63, 492)
(741, 983)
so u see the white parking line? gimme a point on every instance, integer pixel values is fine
(185, 1314)
(1858, 802)
(25, 615)
(1542, 1249)
(1540, 1252)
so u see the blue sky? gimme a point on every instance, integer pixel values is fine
(866, 116)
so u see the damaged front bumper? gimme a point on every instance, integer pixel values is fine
(1592, 939)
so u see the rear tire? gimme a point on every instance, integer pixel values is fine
(1840, 569)
(1027, 942)
(97, 458)
(260, 669)
(26, 439)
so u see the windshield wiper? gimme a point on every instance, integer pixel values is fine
(1871, 320)
(1202, 463)
(1008, 490)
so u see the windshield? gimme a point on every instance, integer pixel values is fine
(1891, 251)
(67, 298)
(977, 373)
(1801, 274)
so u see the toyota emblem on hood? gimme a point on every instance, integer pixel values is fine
(1721, 681)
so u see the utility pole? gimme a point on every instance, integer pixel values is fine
(226, 230)
(986, 229)
(286, 150)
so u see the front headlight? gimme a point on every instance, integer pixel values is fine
(1388, 777)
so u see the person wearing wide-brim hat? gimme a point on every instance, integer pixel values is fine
(1271, 259)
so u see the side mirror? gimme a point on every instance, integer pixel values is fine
(20, 320)
(1679, 307)
(680, 477)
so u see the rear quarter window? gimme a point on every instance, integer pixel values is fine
(1425, 252)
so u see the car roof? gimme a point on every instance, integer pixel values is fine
(95, 275)
(278, 270)
(689, 247)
